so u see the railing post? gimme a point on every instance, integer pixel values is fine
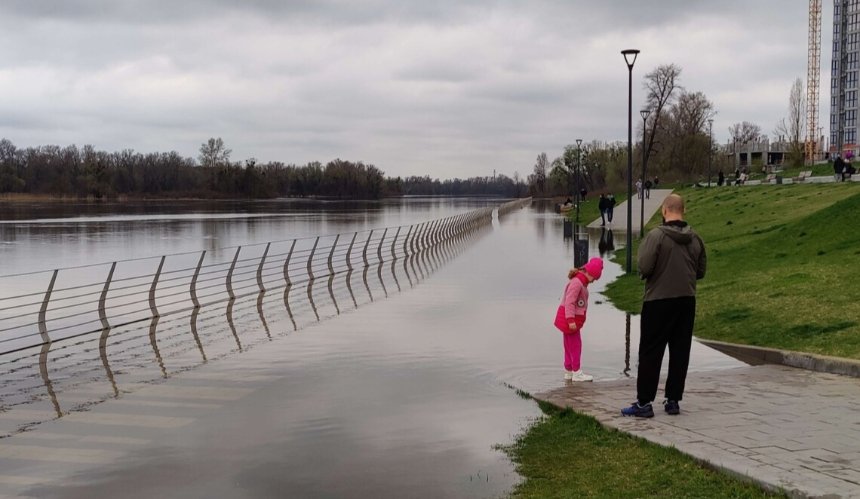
(331, 254)
(349, 254)
(287, 265)
(43, 329)
(230, 274)
(260, 268)
(381, 241)
(152, 306)
(406, 240)
(103, 297)
(393, 242)
(366, 244)
(417, 235)
(311, 259)
(194, 280)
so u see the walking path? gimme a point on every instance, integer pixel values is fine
(779, 426)
(619, 218)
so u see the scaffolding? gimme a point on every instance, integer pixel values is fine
(813, 77)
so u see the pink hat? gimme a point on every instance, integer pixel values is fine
(594, 267)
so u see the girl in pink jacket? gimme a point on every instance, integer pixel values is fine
(570, 316)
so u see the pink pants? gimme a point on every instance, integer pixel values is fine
(572, 351)
(572, 341)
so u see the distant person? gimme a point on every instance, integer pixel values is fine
(838, 166)
(648, 189)
(610, 209)
(603, 206)
(671, 259)
(638, 189)
(582, 194)
(571, 314)
(721, 178)
(656, 181)
(850, 170)
(847, 170)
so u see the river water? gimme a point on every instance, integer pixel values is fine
(389, 383)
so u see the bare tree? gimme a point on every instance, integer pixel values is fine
(744, 132)
(661, 84)
(540, 170)
(794, 128)
(213, 152)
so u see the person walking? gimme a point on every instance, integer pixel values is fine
(647, 189)
(571, 314)
(671, 259)
(610, 207)
(638, 189)
(603, 205)
(838, 165)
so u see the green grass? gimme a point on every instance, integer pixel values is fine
(566, 454)
(783, 267)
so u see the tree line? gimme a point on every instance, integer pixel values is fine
(86, 172)
(673, 137)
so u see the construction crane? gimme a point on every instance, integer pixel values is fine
(813, 77)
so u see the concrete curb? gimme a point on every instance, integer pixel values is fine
(811, 362)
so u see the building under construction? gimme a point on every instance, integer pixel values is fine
(843, 77)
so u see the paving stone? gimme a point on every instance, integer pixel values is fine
(783, 427)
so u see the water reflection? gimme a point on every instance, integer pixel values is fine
(607, 242)
(167, 337)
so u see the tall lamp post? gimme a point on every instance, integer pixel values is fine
(644, 113)
(630, 56)
(577, 178)
(710, 147)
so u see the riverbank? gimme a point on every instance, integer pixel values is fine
(779, 262)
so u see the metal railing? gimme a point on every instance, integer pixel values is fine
(66, 303)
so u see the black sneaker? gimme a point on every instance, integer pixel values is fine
(672, 407)
(639, 411)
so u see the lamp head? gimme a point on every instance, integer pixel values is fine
(644, 113)
(578, 142)
(630, 56)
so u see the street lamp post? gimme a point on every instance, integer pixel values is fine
(577, 178)
(630, 56)
(710, 147)
(644, 113)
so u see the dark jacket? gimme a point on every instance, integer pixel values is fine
(603, 204)
(671, 259)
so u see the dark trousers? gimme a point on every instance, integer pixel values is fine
(602, 217)
(665, 322)
(609, 214)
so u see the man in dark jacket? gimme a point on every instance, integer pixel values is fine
(603, 205)
(671, 259)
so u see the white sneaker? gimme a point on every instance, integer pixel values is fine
(568, 374)
(581, 376)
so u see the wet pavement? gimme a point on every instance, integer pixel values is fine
(389, 383)
(785, 428)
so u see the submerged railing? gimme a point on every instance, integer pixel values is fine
(66, 303)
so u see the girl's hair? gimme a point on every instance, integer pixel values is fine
(572, 272)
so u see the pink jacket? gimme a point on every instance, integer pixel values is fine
(575, 299)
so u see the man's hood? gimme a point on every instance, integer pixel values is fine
(680, 232)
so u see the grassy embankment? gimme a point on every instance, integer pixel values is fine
(570, 455)
(783, 267)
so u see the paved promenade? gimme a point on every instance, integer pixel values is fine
(619, 218)
(780, 426)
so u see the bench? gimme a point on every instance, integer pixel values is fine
(771, 177)
(803, 176)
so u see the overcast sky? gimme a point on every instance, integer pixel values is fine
(447, 89)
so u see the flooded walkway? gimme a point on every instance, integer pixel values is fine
(387, 384)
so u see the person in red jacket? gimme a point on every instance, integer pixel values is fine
(571, 314)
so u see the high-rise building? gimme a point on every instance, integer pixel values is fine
(843, 77)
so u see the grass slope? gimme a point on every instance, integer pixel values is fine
(569, 455)
(783, 267)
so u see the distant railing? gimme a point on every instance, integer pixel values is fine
(66, 303)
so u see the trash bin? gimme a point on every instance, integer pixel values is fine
(568, 229)
(779, 179)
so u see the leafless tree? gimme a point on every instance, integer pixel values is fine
(794, 127)
(744, 132)
(661, 84)
(541, 166)
(213, 153)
